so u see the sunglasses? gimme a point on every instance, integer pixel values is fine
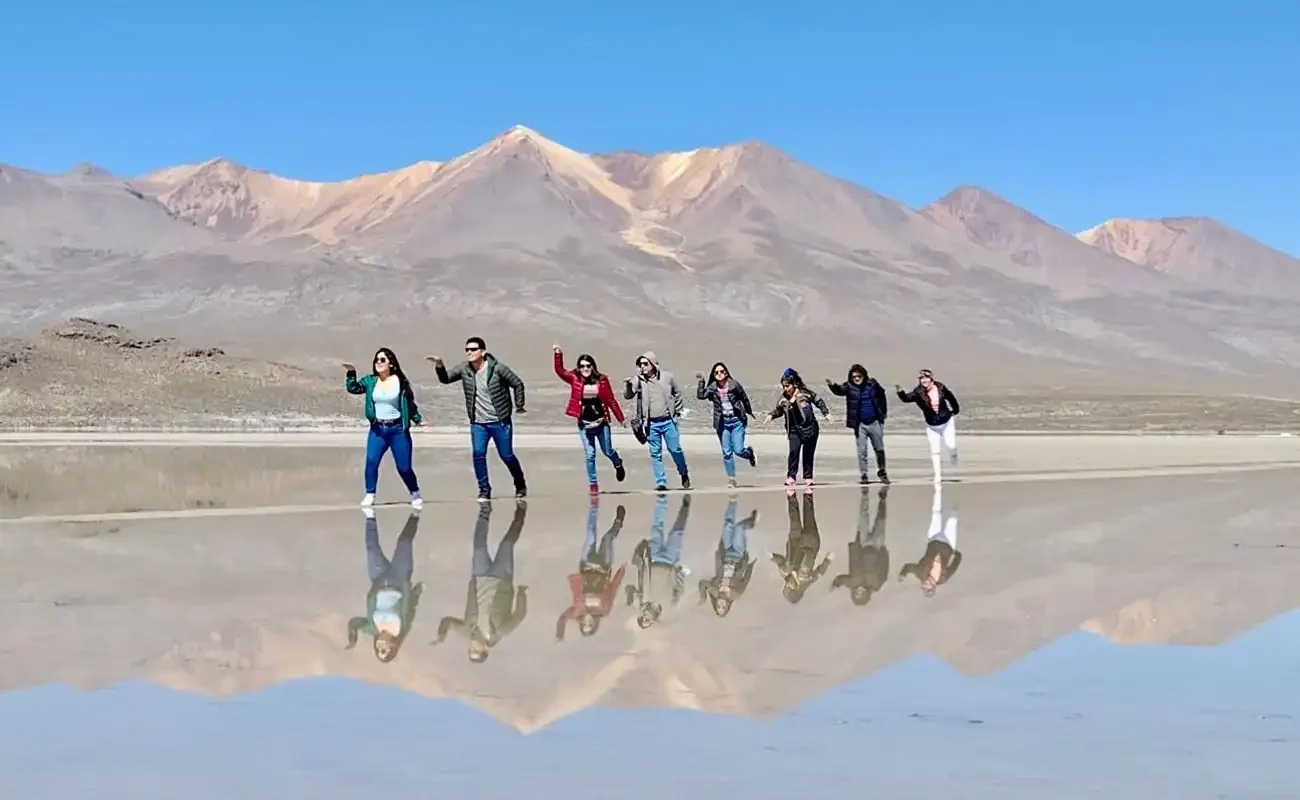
(381, 360)
(472, 349)
(585, 365)
(643, 363)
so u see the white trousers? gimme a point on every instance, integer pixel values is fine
(942, 528)
(941, 436)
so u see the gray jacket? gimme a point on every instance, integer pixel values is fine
(501, 382)
(669, 401)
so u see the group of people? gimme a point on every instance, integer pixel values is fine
(496, 605)
(494, 393)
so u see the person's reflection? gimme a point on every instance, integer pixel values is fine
(392, 600)
(661, 578)
(493, 607)
(868, 553)
(941, 558)
(801, 548)
(593, 586)
(732, 565)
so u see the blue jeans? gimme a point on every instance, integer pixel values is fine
(502, 434)
(602, 436)
(380, 440)
(735, 538)
(600, 551)
(665, 432)
(731, 434)
(398, 569)
(665, 549)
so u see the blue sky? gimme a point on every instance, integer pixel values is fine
(1076, 111)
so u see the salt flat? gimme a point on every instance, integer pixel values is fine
(120, 475)
(1010, 667)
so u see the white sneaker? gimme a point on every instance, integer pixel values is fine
(368, 501)
(368, 512)
(416, 502)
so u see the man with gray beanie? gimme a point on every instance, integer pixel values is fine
(659, 404)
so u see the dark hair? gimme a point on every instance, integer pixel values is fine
(395, 367)
(477, 341)
(713, 370)
(595, 370)
(791, 376)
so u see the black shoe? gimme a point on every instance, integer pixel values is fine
(866, 479)
(686, 482)
(620, 472)
(521, 492)
(661, 488)
(751, 458)
(484, 497)
(882, 475)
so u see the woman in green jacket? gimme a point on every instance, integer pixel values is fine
(391, 409)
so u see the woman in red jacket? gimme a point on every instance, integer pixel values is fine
(592, 404)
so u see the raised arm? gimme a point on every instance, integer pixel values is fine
(445, 627)
(445, 375)
(560, 372)
(355, 626)
(701, 388)
(908, 396)
(352, 384)
(836, 389)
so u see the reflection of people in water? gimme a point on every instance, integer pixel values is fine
(733, 566)
(941, 558)
(493, 607)
(391, 601)
(868, 554)
(801, 548)
(660, 576)
(593, 586)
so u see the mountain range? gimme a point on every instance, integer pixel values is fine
(533, 236)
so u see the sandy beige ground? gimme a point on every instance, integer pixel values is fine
(225, 604)
(126, 474)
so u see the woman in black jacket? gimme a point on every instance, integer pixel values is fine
(731, 412)
(940, 407)
(797, 406)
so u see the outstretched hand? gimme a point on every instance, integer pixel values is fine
(434, 360)
(830, 383)
(555, 348)
(349, 367)
(699, 376)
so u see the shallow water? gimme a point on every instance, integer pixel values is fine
(1120, 638)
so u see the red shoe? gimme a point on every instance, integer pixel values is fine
(595, 489)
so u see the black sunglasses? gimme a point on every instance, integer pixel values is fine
(586, 365)
(472, 349)
(381, 360)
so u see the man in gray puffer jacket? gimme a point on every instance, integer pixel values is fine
(493, 394)
(659, 403)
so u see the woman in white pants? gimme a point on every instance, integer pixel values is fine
(941, 558)
(940, 407)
